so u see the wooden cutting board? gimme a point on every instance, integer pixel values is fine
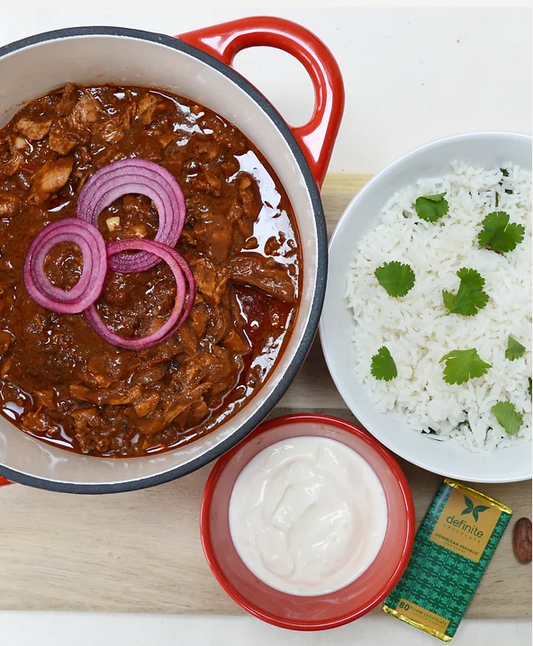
(141, 552)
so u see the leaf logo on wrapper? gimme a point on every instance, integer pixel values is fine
(470, 509)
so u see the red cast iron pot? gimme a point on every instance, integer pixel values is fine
(196, 65)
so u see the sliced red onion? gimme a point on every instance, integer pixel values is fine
(185, 292)
(145, 178)
(88, 288)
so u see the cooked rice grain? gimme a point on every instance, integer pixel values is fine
(417, 330)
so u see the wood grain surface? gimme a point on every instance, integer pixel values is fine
(141, 552)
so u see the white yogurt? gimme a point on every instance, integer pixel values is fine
(307, 515)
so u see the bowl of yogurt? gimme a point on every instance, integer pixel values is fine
(308, 523)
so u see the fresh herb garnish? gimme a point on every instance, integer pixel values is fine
(529, 384)
(499, 234)
(462, 365)
(470, 297)
(396, 278)
(383, 366)
(505, 173)
(508, 417)
(514, 349)
(431, 207)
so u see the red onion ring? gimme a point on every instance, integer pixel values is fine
(89, 286)
(182, 305)
(136, 176)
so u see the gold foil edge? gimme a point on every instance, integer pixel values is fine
(492, 501)
(417, 624)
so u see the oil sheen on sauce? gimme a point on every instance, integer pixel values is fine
(308, 515)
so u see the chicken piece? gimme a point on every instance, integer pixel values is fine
(108, 156)
(6, 341)
(223, 372)
(188, 341)
(215, 183)
(115, 128)
(33, 129)
(50, 179)
(68, 100)
(148, 108)
(213, 234)
(265, 274)
(85, 113)
(44, 399)
(149, 375)
(60, 139)
(197, 413)
(250, 196)
(146, 404)
(225, 135)
(210, 283)
(11, 157)
(167, 139)
(207, 182)
(115, 366)
(235, 212)
(39, 424)
(85, 417)
(198, 318)
(236, 342)
(220, 322)
(5, 367)
(208, 147)
(109, 397)
(96, 380)
(187, 237)
(9, 205)
(155, 355)
(159, 420)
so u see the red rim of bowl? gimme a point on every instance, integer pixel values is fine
(226, 584)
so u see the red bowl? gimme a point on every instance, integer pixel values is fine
(318, 612)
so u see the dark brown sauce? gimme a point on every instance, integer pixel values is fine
(62, 383)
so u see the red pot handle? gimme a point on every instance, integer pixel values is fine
(3, 481)
(316, 138)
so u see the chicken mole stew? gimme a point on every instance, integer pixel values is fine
(149, 270)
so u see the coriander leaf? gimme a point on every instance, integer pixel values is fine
(499, 234)
(397, 279)
(529, 386)
(505, 173)
(383, 366)
(514, 349)
(508, 417)
(470, 297)
(431, 207)
(462, 365)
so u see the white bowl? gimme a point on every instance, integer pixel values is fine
(336, 326)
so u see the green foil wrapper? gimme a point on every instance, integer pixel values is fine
(451, 552)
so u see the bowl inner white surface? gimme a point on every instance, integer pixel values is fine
(337, 325)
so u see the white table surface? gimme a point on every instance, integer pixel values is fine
(411, 76)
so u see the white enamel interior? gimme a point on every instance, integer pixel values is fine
(336, 325)
(33, 71)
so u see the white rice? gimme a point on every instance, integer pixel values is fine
(416, 328)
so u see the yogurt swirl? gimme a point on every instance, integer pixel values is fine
(308, 515)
